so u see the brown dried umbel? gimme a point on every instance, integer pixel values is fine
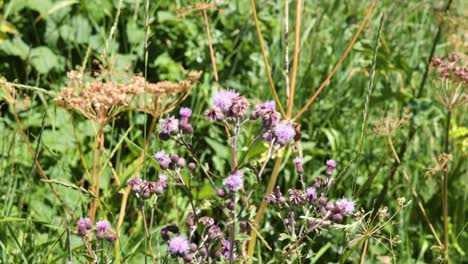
(386, 125)
(101, 99)
(162, 97)
(440, 164)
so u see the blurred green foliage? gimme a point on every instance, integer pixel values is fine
(40, 40)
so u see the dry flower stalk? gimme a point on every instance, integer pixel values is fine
(440, 164)
(386, 125)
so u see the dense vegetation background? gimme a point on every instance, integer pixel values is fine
(41, 40)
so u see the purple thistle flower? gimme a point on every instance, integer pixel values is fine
(331, 164)
(239, 106)
(267, 111)
(234, 181)
(111, 237)
(135, 184)
(169, 125)
(178, 246)
(298, 161)
(311, 194)
(284, 133)
(214, 114)
(185, 112)
(267, 136)
(163, 159)
(84, 224)
(347, 205)
(101, 228)
(223, 99)
(227, 250)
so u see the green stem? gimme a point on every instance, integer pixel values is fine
(445, 187)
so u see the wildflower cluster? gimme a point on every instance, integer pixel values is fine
(451, 68)
(208, 239)
(212, 245)
(146, 189)
(311, 204)
(451, 86)
(102, 229)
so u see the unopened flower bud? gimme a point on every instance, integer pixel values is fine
(186, 128)
(192, 166)
(243, 225)
(164, 136)
(193, 247)
(203, 251)
(165, 234)
(188, 258)
(221, 193)
(110, 237)
(322, 200)
(282, 200)
(181, 162)
(230, 206)
(337, 209)
(337, 218)
(298, 162)
(330, 206)
(174, 158)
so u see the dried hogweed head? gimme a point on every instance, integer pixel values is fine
(388, 124)
(440, 164)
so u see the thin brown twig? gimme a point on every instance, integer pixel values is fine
(416, 196)
(265, 58)
(38, 165)
(345, 54)
(210, 45)
(297, 43)
(286, 47)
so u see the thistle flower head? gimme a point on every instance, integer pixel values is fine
(239, 106)
(234, 181)
(101, 228)
(214, 114)
(185, 112)
(178, 246)
(331, 163)
(267, 111)
(169, 125)
(347, 205)
(163, 159)
(298, 161)
(311, 194)
(84, 224)
(284, 133)
(223, 99)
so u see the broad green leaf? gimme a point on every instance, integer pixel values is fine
(44, 60)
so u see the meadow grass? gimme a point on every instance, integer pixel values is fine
(346, 73)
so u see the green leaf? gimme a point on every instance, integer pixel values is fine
(15, 47)
(43, 59)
